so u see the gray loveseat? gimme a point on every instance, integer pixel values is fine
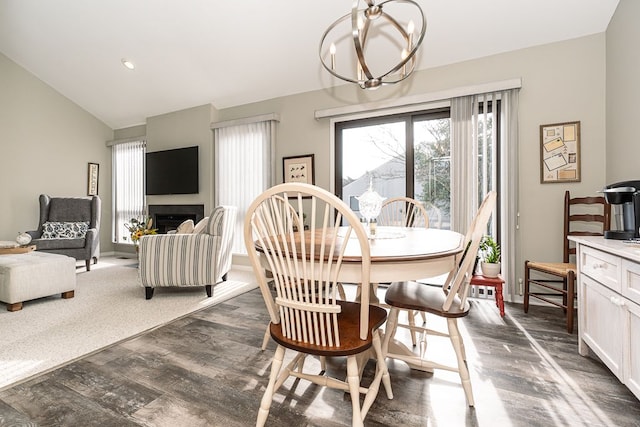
(69, 226)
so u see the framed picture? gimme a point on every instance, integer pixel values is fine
(92, 185)
(560, 152)
(298, 169)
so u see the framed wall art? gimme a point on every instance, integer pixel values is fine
(560, 152)
(298, 169)
(93, 176)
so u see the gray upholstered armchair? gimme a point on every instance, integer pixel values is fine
(69, 226)
(193, 259)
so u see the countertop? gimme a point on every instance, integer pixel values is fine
(623, 248)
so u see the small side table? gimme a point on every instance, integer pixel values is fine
(496, 282)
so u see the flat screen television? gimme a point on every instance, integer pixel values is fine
(172, 171)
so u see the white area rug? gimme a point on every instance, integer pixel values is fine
(108, 306)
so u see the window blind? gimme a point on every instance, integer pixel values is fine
(128, 186)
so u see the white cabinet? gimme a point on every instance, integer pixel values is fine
(609, 305)
(600, 323)
(632, 373)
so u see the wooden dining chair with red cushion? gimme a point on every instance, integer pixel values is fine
(556, 281)
(306, 314)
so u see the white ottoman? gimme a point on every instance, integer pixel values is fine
(34, 275)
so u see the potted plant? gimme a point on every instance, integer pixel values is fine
(490, 257)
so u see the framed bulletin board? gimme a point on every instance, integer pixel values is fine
(560, 152)
(298, 169)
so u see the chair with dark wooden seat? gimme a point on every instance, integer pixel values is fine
(405, 212)
(556, 281)
(448, 302)
(306, 314)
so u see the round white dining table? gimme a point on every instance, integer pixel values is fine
(401, 253)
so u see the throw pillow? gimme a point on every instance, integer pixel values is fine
(64, 230)
(201, 225)
(186, 227)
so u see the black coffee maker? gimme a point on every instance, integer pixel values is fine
(624, 198)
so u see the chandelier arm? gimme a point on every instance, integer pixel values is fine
(411, 54)
(405, 35)
(358, 42)
(322, 40)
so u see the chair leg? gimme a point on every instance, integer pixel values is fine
(209, 290)
(525, 299)
(382, 364)
(265, 339)
(499, 299)
(265, 404)
(148, 292)
(571, 293)
(411, 318)
(390, 329)
(565, 289)
(353, 378)
(458, 346)
(87, 263)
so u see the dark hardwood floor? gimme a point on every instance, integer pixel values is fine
(207, 370)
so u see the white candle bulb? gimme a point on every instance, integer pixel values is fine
(410, 30)
(332, 51)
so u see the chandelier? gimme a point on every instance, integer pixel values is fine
(355, 47)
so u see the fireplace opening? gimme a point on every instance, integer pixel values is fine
(167, 222)
(169, 217)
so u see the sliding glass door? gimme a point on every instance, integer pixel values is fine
(398, 155)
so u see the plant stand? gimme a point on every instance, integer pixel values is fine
(496, 282)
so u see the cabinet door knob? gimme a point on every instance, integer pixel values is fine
(617, 301)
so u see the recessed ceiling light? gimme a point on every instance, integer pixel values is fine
(128, 64)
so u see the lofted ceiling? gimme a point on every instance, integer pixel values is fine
(229, 53)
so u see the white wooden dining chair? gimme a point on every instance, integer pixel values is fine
(282, 205)
(306, 315)
(449, 302)
(405, 212)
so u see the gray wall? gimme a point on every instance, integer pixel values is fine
(560, 82)
(623, 93)
(46, 142)
(184, 129)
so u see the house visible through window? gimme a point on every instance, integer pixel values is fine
(410, 155)
(404, 155)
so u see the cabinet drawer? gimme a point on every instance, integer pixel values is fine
(601, 267)
(631, 280)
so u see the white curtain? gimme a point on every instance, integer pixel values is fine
(244, 168)
(509, 207)
(474, 167)
(128, 186)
